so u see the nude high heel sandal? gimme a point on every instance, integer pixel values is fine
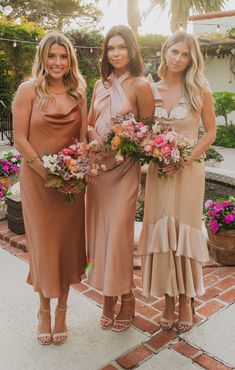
(64, 334)
(184, 326)
(41, 336)
(120, 325)
(105, 322)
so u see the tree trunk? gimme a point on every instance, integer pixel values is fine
(179, 18)
(60, 22)
(133, 15)
(226, 120)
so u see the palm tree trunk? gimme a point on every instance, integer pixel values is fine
(179, 18)
(133, 15)
(60, 22)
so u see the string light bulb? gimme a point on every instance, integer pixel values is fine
(14, 44)
(181, 27)
(91, 50)
(218, 30)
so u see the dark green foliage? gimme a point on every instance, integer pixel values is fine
(16, 62)
(88, 58)
(226, 136)
(224, 104)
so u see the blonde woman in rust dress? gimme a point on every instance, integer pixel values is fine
(49, 112)
(172, 242)
(111, 202)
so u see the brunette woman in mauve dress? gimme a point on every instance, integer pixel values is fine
(49, 111)
(111, 202)
(172, 243)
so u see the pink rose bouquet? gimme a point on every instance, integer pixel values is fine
(76, 165)
(126, 137)
(220, 214)
(165, 147)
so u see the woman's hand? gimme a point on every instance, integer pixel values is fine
(93, 135)
(188, 160)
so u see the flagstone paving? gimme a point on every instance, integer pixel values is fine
(209, 345)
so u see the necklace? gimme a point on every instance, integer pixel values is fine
(57, 92)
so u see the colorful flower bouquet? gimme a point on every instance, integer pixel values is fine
(126, 137)
(220, 214)
(75, 165)
(143, 143)
(165, 147)
(10, 164)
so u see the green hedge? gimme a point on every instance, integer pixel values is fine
(225, 136)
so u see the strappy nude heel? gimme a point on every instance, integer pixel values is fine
(165, 323)
(62, 334)
(120, 325)
(47, 336)
(105, 322)
(184, 326)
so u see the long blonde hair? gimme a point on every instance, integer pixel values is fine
(195, 83)
(76, 85)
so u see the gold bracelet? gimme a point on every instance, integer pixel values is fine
(31, 160)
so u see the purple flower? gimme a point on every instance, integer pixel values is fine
(225, 204)
(218, 208)
(214, 226)
(229, 218)
(208, 203)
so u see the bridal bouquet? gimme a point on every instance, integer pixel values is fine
(74, 165)
(165, 147)
(126, 136)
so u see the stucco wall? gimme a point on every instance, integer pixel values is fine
(209, 25)
(220, 78)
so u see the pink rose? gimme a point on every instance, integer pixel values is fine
(148, 148)
(119, 158)
(140, 125)
(160, 140)
(67, 151)
(166, 150)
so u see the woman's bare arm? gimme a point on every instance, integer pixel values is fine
(145, 99)
(22, 109)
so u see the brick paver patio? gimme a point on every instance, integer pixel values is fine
(220, 293)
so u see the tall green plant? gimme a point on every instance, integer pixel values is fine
(224, 104)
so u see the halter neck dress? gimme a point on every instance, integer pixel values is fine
(172, 245)
(55, 231)
(111, 203)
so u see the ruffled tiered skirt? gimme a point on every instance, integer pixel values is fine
(172, 245)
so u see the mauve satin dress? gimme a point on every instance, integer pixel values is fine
(111, 204)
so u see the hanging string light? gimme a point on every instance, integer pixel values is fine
(181, 29)
(14, 44)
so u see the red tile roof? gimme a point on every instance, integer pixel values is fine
(227, 13)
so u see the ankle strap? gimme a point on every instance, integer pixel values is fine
(62, 309)
(128, 299)
(43, 310)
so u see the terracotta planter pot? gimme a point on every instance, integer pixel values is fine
(222, 246)
(6, 181)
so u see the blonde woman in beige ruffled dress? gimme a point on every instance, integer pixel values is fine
(172, 243)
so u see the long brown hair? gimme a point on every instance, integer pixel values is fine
(135, 64)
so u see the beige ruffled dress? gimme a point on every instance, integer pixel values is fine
(172, 245)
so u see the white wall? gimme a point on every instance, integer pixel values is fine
(209, 25)
(219, 76)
